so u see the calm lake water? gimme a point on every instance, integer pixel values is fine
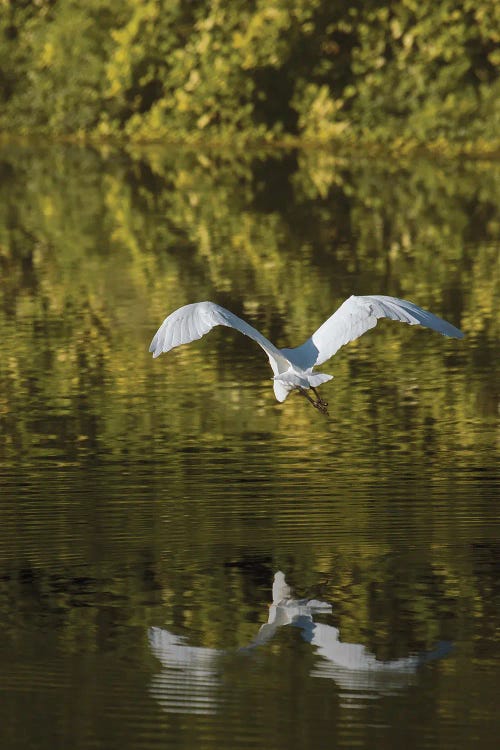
(186, 563)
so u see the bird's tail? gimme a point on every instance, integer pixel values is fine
(317, 378)
(287, 381)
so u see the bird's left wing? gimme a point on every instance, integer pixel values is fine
(193, 321)
(357, 315)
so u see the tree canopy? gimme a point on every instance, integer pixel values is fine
(267, 70)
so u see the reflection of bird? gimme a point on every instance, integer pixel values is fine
(351, 665)
(293, 368)
(191, 675)
(188, 683)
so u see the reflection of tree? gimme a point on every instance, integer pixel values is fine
(190, 675)
(95, 252)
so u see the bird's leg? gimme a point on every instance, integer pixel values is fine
(303, 392)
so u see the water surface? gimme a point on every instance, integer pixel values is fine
(186, 563)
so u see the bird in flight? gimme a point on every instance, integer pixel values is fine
(294, 368)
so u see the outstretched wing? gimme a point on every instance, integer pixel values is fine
(191, 322)
(357, 315)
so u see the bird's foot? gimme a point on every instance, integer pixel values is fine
(321, 406)
(318, 397)
(318, 404)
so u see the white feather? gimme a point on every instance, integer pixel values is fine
(357, 315)
(292, 368)
(193, 321)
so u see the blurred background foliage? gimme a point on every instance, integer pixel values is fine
(314, 70)
(96, 248)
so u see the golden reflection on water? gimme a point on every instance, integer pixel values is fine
(137, 493)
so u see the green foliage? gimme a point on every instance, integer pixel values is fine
(424, 70)
(60, 51)
(215, 70)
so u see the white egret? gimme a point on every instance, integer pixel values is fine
(293, 368)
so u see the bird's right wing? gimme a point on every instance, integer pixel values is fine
(357, 315)
(193, 321)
